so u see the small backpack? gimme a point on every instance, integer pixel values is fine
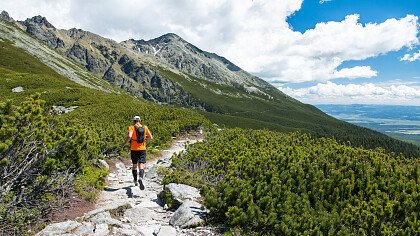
(140, 133)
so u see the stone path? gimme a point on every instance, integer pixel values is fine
(124, 209)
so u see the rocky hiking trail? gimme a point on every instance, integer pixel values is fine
(124, 209)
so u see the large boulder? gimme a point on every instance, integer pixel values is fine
(175, 194)
(190, 214)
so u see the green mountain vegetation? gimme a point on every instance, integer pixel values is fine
(59, 153)
(235, 107)
(254, 180)
(270, 183)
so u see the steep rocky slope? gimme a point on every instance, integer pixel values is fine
(108, 60)
(51, 58)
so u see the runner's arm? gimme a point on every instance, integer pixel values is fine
(149, 134)
(127, 140)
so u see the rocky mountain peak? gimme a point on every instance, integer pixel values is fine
(5, 16)
(38, 20)
(170, 37)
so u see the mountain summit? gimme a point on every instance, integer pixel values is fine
(173, 50)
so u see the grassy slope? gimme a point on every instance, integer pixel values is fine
(235, 107)
(102, 110)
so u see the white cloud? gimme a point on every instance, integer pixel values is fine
(330, 92)
(254, 34)
(356, 72)
(411, 58)
(324, 1)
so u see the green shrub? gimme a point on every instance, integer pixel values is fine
(40, 156)
(291, 184)
(90, 181)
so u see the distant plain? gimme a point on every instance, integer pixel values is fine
(401, 122)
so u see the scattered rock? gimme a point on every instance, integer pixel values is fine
(113, 206)
(139, 214)
(151, 173)
(87, 228)
(59, 228)
(148, 230)
(190, 214)
(101, 230)
(62, 110)
(167, 231)
(105, 218)
(150, 203)
(120, 166)
(103, 164)
(128, 232)
(17, 89)
(179, 193)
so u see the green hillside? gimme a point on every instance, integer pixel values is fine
(96, 128)
(235, 107)
(270, 183)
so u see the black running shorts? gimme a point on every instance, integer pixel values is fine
(138, 156)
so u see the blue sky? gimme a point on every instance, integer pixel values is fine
(391, 70)
(338, 51)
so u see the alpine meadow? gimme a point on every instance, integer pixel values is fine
(256, 161)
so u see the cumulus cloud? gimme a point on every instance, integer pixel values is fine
(411, 58)
(356, 72)
(330, 92)
(254, 34)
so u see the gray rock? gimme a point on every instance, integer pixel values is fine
(128, 232)
(87, 228)
(112, 206)
(151, 173)
(190, 214)
(62, 109)
(105, 218)
(120, 166)
(59, 228)
(5, 16)
(150, 203)
(182, 192)
(101, 230)
(103, 164)
(17, 89)
(139, 215)
(148, 230)
(167, 231)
